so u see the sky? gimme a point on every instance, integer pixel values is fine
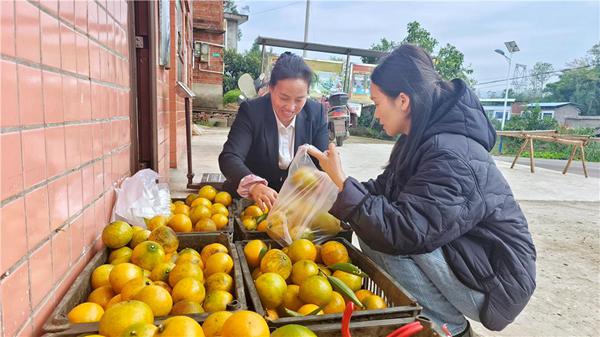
(556, 32)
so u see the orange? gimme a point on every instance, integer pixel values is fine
(148, 254)
(190, 199)
(205, 225)
(277, 262)
(302, 270)
(219, 209)
(219, 262)
(157, 221)
(133, 287)
(138, 237)
(179, 202)
(123, 273)
(191, 256)
(141, 329)
(271, 288)
(213, 325)
(201, 202)
(302, 250)
(223, 198)
(184, 270)
(262, 226)
(86, 312)
(337, 304)
(211, 249)
(121, 316)
(326, 223)
(180, 223)
(217, 301)
(304, 177)
(373, 302)
(252, 252)
(334, 252)
(161, 271)
(362, 294)
(185, 307)
(101, 295)
(157, 298)
(308, 308)
(256, 273)
(166, 237)
(207, 192)
(147, 273)
(220, 220)
(271, 315)
(120, 255)
(249, 224)
(316, 290)
(291, 299)
(181, 209)
(179, 326)
(117, 234)
(190, 289)
(219, 281)
(245, 323)
(116, 299)
(354, 282)
(253, 211)
(293, 330)
(200, 212)
(164, 285)
(324, 269)
(100, 276)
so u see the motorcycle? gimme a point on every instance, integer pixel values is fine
(338, 117)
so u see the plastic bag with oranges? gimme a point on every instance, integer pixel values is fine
(301, 210)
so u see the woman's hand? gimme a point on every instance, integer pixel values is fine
(263, 195)
(330, 163)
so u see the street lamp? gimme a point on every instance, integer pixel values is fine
(512, 47)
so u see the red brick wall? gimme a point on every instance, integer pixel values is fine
(208, 17)
(65, 141)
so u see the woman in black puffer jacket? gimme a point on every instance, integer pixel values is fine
(441, 218)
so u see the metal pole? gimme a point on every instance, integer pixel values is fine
(504, 113)
(306, 19)
(262, 60)
(346, 75)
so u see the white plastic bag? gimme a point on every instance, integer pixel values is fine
(139, 197)
(301, 210)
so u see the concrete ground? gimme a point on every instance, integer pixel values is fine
(564, 218)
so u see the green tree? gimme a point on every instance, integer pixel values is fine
(448, 60)
(236, 64)
(580, 84)
(539, 76)
(229, 6)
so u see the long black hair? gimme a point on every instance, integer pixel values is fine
(288, 66)
(410, 70)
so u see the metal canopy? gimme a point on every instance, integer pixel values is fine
(325, 48)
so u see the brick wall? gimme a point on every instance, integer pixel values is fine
(65, 141)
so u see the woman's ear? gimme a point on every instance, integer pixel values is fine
(403, 102)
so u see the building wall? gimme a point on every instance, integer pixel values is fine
(207, 78)
(567, 111)
(582, 122)
(232, 33)
(65, 142)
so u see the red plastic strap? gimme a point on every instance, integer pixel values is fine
(407, 330)
(346, 319)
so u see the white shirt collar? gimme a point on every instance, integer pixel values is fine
(281, 126)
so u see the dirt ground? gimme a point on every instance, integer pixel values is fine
(564, 219)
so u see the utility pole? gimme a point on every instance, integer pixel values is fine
(306, 19)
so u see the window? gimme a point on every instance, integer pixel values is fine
(547, 114)
(180, 42)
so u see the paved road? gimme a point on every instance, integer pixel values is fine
(557, 165)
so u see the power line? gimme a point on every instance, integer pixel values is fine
(526, 76)
(276, 8)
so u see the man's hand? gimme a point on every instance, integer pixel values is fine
(263, 195)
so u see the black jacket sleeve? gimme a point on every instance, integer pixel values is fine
(237, 146)
(438, 204)
(321, 135)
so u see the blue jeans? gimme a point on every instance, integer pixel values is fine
(428, 278)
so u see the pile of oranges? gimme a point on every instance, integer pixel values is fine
(305, 278)
(203, 212)
(147, 276)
